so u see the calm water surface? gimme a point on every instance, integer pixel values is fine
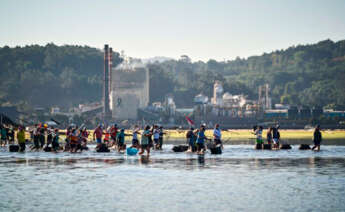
(241, 179)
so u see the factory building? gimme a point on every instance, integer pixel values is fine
(129, 90)
(125, 88)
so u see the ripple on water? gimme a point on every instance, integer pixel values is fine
(240, 179)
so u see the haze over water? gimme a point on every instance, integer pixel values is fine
(241, 179)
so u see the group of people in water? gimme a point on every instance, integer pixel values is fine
(47, 138)
(273, 137)
(7, 134)
(115, 138)
(196, 139)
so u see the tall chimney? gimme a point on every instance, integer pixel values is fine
(110, 68)
(106, 109)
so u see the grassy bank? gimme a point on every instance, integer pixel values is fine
(246, 136)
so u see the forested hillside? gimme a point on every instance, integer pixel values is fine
(303, 75)
(51, 75)
(67, 75)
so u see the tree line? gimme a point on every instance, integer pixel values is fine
(51, 75)
(304, 75)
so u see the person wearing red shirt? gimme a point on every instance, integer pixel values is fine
(98, 132)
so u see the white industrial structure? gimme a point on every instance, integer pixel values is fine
(264, 100)
(217, 94)
(129, 90)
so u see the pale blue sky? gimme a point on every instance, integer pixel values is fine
(203, 29)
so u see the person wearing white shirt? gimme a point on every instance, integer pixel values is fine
(156, 136)
(217, 135)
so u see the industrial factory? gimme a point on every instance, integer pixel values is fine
(126, 99)
(125, 88)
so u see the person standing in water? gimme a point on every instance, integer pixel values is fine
(200, 142)
(269, 136)
(98, 133)
(50, 132)
(21, 139)
(217, 135)
(145, 144)
(113, 134)
(121, 140)
(258, 133)
(10, 135)
(3, 136)
(36, 138)
(156, 136)
(42, 136)
(135, 141)
(150, 137)
(161, 134)
(84, 137)
(276, 137)
(55, 143)
(317, 138)
(191, 137)
(107, 137)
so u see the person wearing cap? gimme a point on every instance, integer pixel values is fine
(317, 138)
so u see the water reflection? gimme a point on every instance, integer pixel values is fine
(233, 157)
(187, 163)
(308, 181)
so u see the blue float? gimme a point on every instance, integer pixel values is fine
(131, 151)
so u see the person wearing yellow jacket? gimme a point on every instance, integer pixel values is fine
(21, 139)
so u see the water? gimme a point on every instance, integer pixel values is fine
(241, 179)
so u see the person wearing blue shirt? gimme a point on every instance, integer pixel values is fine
(121, 140)
(145, 143)
(200, 142)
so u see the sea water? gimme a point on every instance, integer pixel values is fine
(241, 179)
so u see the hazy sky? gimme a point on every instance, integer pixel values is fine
(203, 29)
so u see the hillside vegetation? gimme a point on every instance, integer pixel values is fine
(312, 75)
